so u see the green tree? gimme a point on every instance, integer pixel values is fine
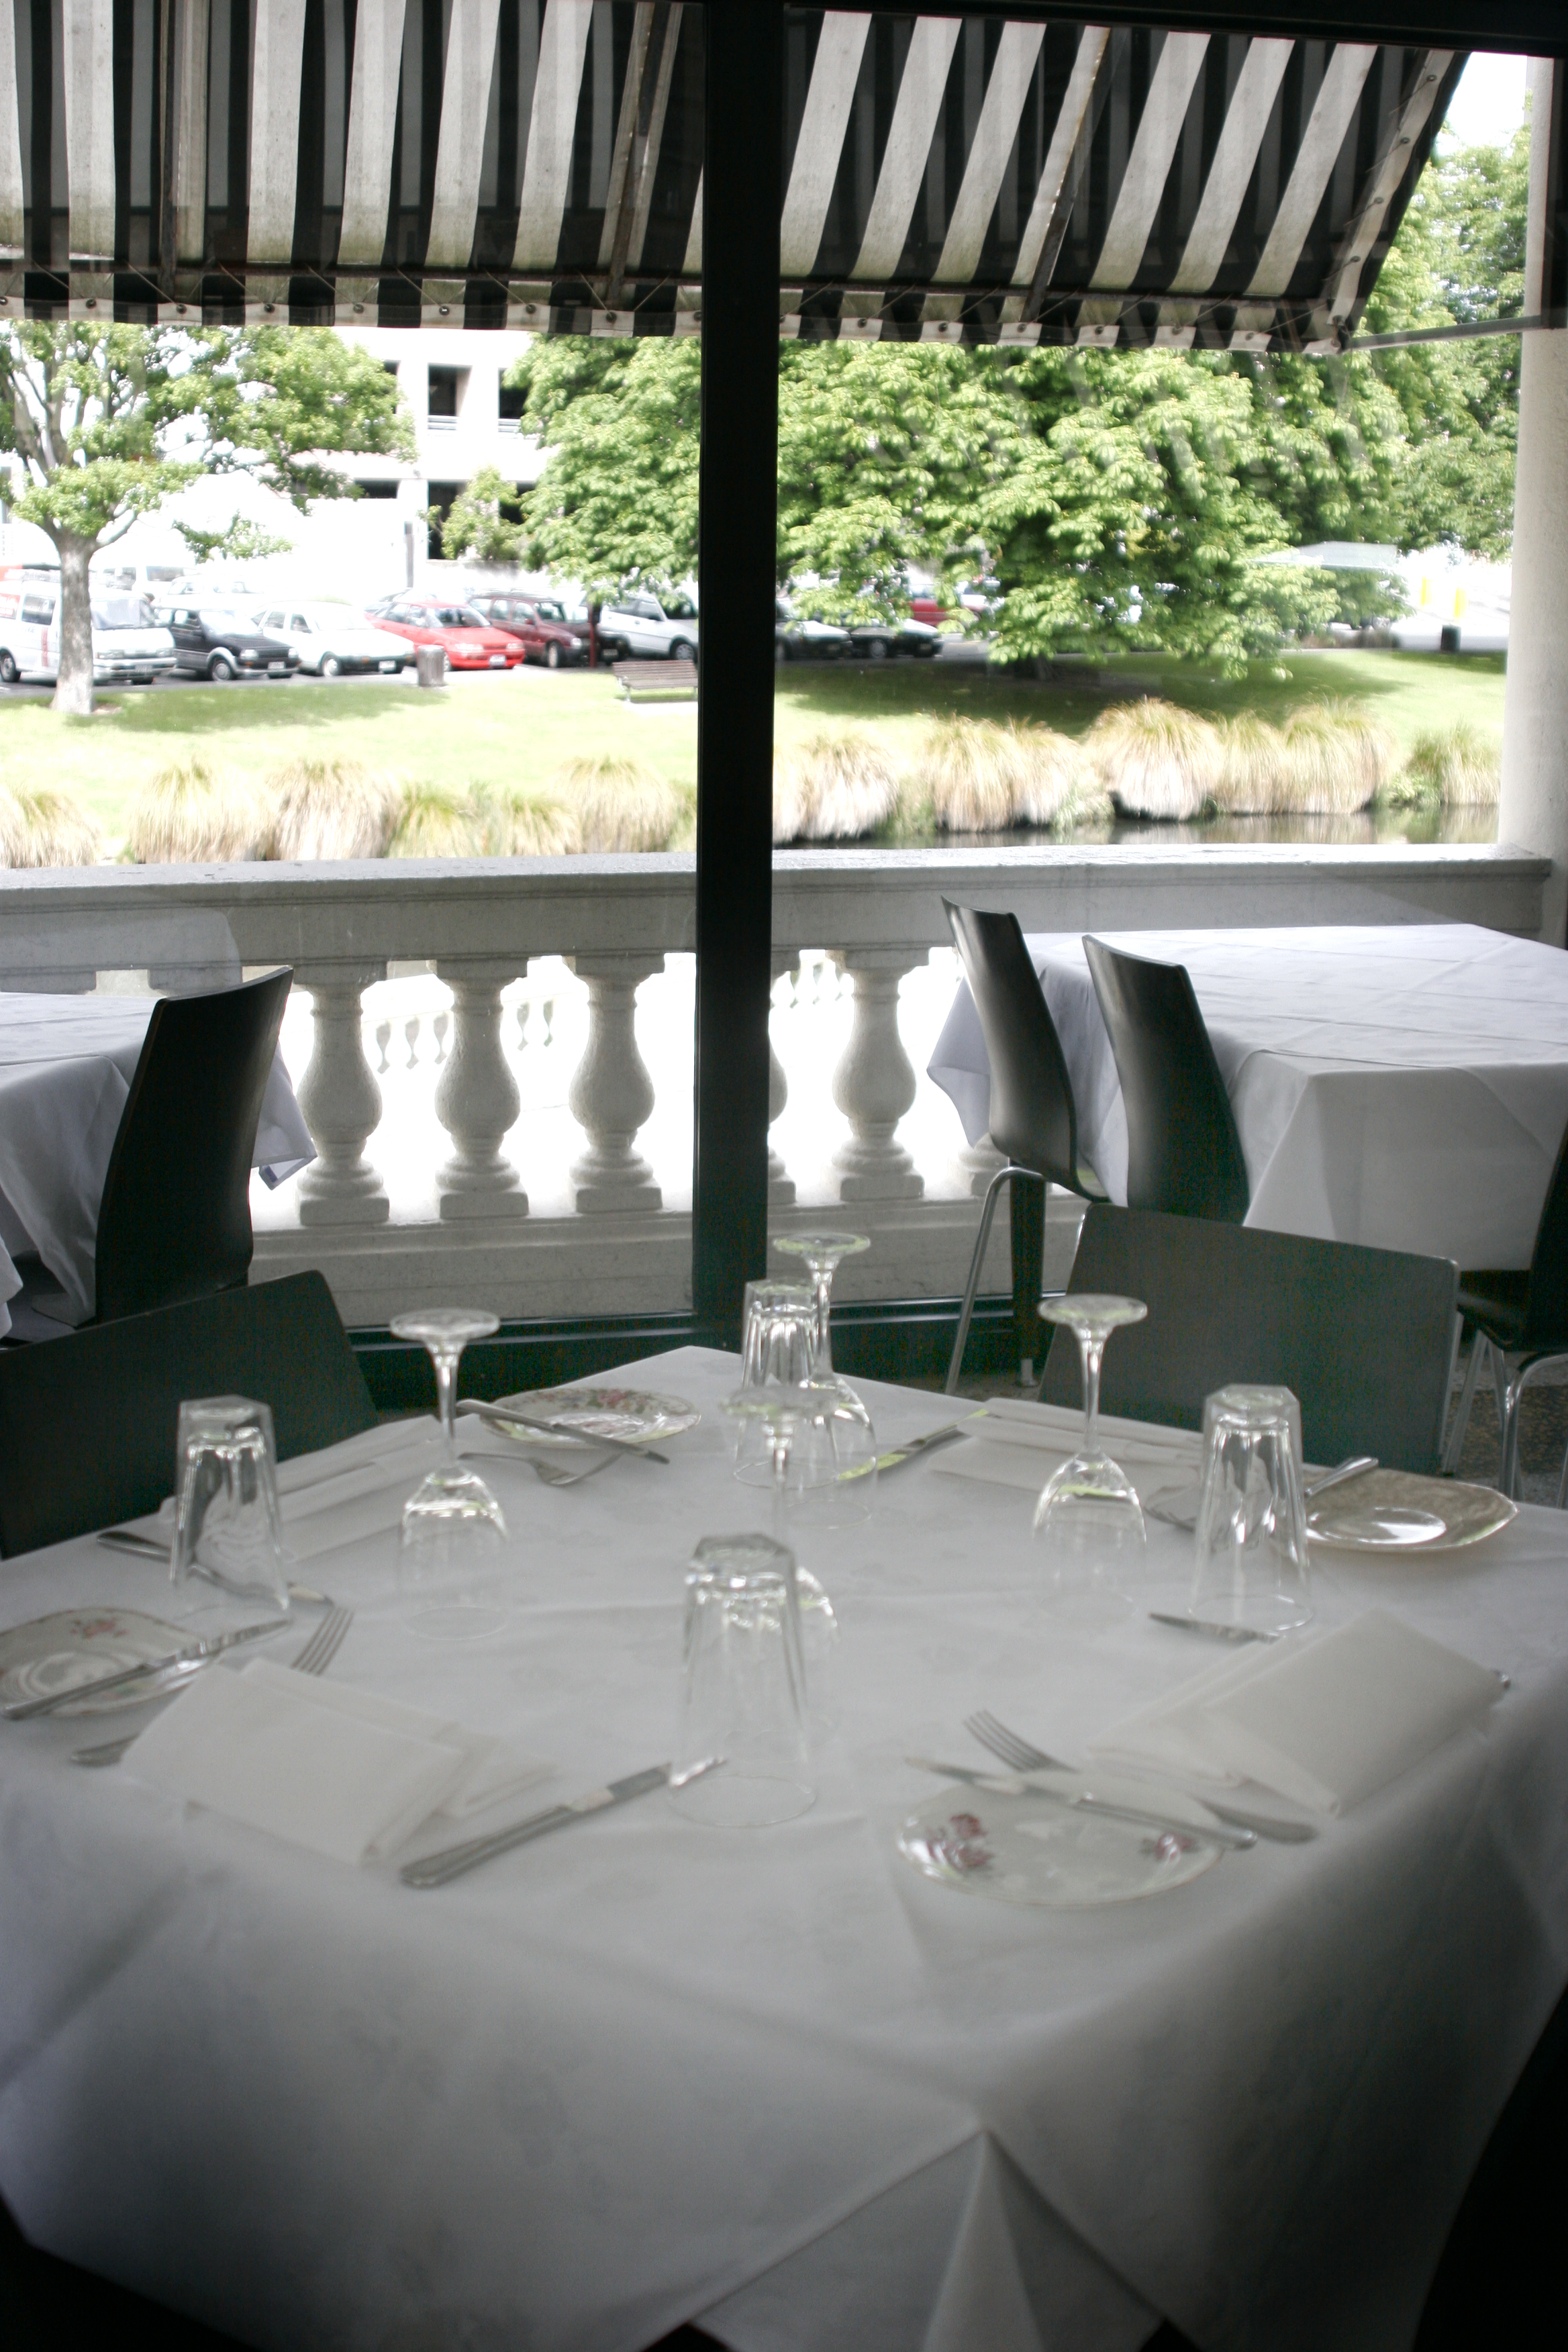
(106, 423)
(482, 520)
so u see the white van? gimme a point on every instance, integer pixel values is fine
(128, 646)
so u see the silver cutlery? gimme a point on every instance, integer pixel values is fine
(506, 1415)
(1006, 1784)
(1210, 1626)
(314, 1659)
(452, 1860)
(897, 1456)
(195, 1653)
(1018, 1753)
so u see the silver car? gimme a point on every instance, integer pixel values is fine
(332, 639)
(648, 625)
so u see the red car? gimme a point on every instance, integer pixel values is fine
(469, 640)
(541, 640)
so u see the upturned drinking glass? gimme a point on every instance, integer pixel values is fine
(784, 1420)
(1252, 1519)
(226, 1523)
(1088, 1518)
(451, 1549)
(743, 1687)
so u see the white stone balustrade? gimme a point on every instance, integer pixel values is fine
(531, 1214)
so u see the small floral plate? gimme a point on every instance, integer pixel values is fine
(636, 1416)
(1028, 1851)
(83, 1645)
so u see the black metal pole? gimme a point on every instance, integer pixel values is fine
(741, 199)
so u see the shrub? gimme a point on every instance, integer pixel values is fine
(331, 808)
(437, 821)
(620, 804)
(1155, 758)
(40, 825)
(1253, 778)
(832, 788)
(190, 815)
(1337, 758)
(516, 821)
(1055, 782)
(969, 771)
(1458, 766)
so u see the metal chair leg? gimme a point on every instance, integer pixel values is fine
(1456, 1442)
(955, 1365)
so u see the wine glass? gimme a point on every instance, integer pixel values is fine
(1088, 1516)
(833, 1451)
(453, 1534)
(783, 1415)
(824, 1253)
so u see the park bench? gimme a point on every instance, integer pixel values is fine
(638, 679)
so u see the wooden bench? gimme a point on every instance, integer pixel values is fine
(641, 679)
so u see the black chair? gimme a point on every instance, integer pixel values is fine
(1183, 1154)
(86, 1424)
(1522, 1315)
(1033, 1120)
(174, 1219)
(1363, 1336)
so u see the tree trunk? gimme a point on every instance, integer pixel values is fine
(73, 688)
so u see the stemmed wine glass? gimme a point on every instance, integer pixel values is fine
(824, 1253)
(1088, 1516)
(782, 1415)
(453, 1532)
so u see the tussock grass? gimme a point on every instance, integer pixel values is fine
(1055, 784)
(621, 803)
(40, 825)
(969, 771)
(521, 821)
(833, 788)
(191, 814)
(1254, 777)
(1458, 766)
(331, 808)
(1339, 758)
(437, 821)
(1155, 758)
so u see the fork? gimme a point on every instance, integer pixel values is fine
(1018, 1753)
(314, 1659)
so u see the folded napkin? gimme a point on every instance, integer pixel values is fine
(1326, 1720)
(1018, 1443)
(343, 1771)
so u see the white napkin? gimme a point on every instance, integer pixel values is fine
(1326, 1721)
(1019, 1443)
(343, 1771)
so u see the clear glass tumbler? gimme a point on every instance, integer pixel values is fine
(451, 1549)
(226, 1522)
(1252, 1520)
(742, 1694)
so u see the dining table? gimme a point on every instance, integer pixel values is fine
(1402, 1086)
(65, 1066)
(777, 2082)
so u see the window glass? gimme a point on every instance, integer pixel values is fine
(121, 613)
(679, 608)
(298, 620)
(214, 616)
(37, 608)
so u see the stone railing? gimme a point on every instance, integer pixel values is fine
(531, 1148)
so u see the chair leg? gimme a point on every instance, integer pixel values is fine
(1455, 1442)
(955, 1365)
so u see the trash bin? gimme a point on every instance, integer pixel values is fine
(430, 662)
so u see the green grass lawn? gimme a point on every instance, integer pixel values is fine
(483, 730)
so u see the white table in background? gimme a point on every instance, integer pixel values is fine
(644, 2073)
(66, 1067)
(1405, 1086)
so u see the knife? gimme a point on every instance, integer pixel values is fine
(196, 1654)
(906, 1453)
(451, 1861)
(1018, 1784)
(504, 1413)
(1209, 1625)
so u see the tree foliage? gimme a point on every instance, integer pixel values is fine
(482, 522)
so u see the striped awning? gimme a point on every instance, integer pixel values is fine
(539, 163)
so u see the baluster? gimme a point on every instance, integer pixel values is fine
(611, 1092)
(477, 1099)
(341, 1100)
(977, 1164)
(781, 1183)
(874, 1084)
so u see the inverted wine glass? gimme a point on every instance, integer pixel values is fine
(785, 1418)
(451, 1547)
(824, 1253)
(1089, 1517)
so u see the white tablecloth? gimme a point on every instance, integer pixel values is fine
(643, 2071)
(66, 1067)
(1405, 1087)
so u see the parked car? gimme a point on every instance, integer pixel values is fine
(645, 625)
(882, 640)
(215, 641)
(128, 645)
(332, 639)
(798, 640)
(464, 635)
(548, 641)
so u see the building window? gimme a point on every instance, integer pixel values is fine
(508, 407)
(448, 385)
(439, 506)
(378, 489)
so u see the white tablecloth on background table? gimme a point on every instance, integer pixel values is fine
(643, 2071)
(66, 1067)
(1404, 1086)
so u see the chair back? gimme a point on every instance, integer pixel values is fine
(1183, 1154)
(174, 1220)
(1546, 1307)
(1034, 1121)
(1362, 1335)
(88, 1424)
